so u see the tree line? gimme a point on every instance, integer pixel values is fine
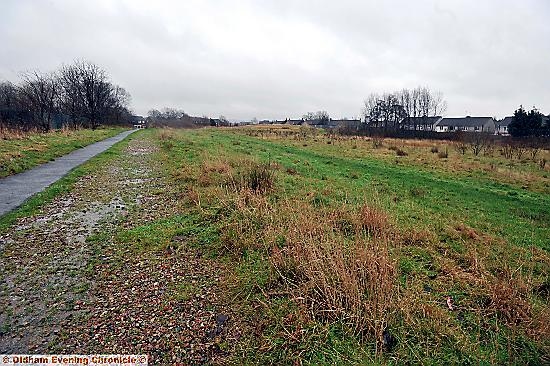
(176, 118)
(403, 109)
(76, 95)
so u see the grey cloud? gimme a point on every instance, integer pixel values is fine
(277, 59)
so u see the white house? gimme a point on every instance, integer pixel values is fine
(467, 124)
(501, 127)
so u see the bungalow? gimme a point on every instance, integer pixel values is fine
(467, 124)
(138, 122)
(501, 127)
(353, 124)
(420, 123)
(316, 123)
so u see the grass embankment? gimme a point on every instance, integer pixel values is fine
(358, 259)
(22, 151)
(33, 204)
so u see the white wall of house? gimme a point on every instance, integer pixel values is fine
(501, 130)
(462, 128)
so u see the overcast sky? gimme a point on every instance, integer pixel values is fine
(278, 58)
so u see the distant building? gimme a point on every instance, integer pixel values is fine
(295, 122)
(352, 124)
(138, 122)
(216, 122)
(467, 124)
(315, 122)
(420, 123)
(501, 127)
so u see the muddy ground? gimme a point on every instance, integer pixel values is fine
(66, 286)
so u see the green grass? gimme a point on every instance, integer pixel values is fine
(23, 153)
(451, 233)
(458, 212)
(502, 210)
(33, 204)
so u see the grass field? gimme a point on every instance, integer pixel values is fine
(343, 252)
(22, 151)
(334, 250)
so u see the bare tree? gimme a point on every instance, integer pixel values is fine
(80, 93)
(461, 144)
(11, 111)
(321, 116)
(95, 92)
(478, 142)
(71, 102)
(439, 105)
(384, 110)
(389, 110)
(154, 114)
(39, 93)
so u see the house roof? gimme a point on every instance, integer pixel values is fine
(316, 122)
(422, 120)
(465, 121)
(505, 121)
(345, 120)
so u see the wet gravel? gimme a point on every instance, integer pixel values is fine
(62, 292)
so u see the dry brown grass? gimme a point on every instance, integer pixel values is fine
(252, 176)
(334, 264)
(339, 279)
(16, 134)
(166, 134)
(214, 172)
(498, 289)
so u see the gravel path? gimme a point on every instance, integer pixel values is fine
(63, 291)
(16, 189)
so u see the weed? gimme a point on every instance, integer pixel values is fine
(400, 152)
(256, 177)
(260, 178)
(377, 142)
(291, 171)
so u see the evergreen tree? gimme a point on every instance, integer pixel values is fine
(526, 123)
(517, 126)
